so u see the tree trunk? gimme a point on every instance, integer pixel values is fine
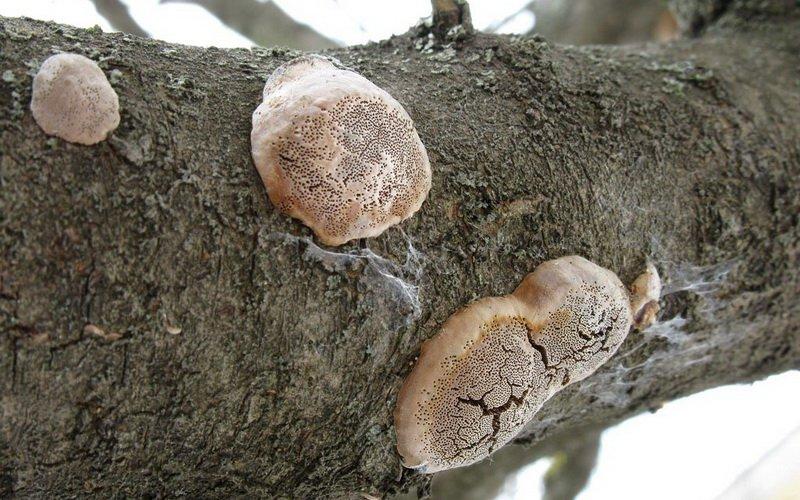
(164, 331)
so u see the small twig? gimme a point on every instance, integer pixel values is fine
(447, 14)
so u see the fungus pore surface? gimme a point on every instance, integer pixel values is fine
(72, 99)
(337, 152)
(495, 362)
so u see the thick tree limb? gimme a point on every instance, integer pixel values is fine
(252, 362)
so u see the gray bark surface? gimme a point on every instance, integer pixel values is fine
(164, 331)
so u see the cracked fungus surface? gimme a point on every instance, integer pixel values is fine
(584, 333)
(493, 365)
(489, 394)
(72, 99)
(337, 152)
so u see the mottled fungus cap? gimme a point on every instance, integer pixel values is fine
(495, 362)
(475, 384)
(73, 100)
(337, 152)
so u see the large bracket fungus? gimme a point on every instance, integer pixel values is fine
(336, 151)
(73, 100)
(495, 362)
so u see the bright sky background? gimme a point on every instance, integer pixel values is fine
(693, 448)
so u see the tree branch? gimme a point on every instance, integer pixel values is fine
(449, 14)
(572, 467)
(264, 23)
(282, 376)
(117, 14)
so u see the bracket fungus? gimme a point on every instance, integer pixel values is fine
(495, 362)
(336, 151)
(73, 100)
(645, 292)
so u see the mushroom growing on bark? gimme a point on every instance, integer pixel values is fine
(495, 362)
(645, 292)
(73, 100)
(336, 151)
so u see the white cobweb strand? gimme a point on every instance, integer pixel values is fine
(380, 274)
(610, 385)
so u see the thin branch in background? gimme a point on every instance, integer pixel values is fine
(264, 23)
(489, 478)
(572, 466)
(776, 472)
(485, 479)
(116, 13)
(502, 22)
(448, 14)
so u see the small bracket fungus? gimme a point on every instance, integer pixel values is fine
(495, 362)
(73, 100)
(645, 292)
(337, 152)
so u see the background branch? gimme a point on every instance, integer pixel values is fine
(264, 23)
(585, 22)
(117, 14)
(572, 466)
(488, 479)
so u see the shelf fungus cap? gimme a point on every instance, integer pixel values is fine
(337, 152)
(495, 362)
(474, 385)
(72, 99)
(583, 313)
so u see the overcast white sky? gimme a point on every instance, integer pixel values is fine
(693, 448)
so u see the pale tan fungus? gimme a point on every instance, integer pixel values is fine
(645, 292)
(73, 100)
(337, 152)
(495, 362)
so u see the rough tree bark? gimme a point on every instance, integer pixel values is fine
(165, 332)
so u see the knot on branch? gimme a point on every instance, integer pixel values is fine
(450, 15)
